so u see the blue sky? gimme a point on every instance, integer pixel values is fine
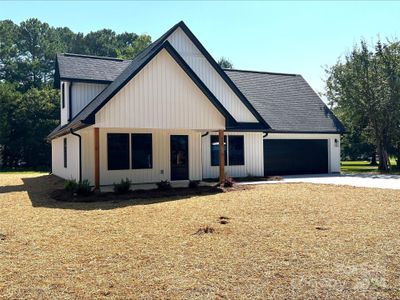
(287, 36)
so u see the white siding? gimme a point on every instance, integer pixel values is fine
(64, 111)
(161, 157)
(87, 135)
(210, 76)
(83, 93)
(253, 157)
(333, 147)
(161, 96)
(57, 157)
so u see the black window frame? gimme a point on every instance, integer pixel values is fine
(63, 95)
(215, 161)
(136, 148)
(65, 153)
(237, 161)
(122, 159)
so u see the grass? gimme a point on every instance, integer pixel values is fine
(278, 241)
(363, 167)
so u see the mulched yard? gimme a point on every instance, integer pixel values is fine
(269, 241)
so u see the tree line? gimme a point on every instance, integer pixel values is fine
(364, 90)
(29, 105)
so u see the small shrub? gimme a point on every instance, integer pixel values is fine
(164, 185)
(71, 185)
(83, 188)
(228, 182)
(194, 184)
(123, 187)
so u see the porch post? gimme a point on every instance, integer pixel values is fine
(221, 156)
(96, 160)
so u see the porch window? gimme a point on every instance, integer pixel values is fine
(118, 151)
(65, 152)
(142, 151)
(215, 150)
(236, 150)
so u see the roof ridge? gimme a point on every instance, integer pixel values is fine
(261, 72)
(94, 57)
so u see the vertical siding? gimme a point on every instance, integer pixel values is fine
(253, 157)
(210, 77)
(64, 112)
(57, 157)
(83, 93)
(160, 96)
(87, 135)
(161, 157)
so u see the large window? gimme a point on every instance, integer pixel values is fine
(142, 151)
(65, 152)
(234, 150)
(118, 151)
(215, 150)
(63, 95)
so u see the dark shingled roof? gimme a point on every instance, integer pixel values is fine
(89, 68)
(286, 102)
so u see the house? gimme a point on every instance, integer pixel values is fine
(172, 113)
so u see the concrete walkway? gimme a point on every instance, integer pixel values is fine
(358, 180)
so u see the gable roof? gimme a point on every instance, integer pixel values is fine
(286, 102)
(88, 68)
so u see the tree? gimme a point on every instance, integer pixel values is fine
(225, 63)
(363, 89)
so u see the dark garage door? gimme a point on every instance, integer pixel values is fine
(289, 157)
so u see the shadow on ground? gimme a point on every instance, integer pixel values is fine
(39, 189)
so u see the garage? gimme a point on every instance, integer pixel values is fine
(291, 157)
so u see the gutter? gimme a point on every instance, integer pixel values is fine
(80, 153)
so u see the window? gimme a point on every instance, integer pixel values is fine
(65, 152)
(118, 151)
(236, 150)
(142, 151)
(63, 95)
(215, 150)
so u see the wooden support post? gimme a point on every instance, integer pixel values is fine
(221, 156)
(96, 160)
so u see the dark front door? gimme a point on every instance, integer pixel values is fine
(179, 157)
(289, 157)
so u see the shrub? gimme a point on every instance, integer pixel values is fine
(123, 187)
(83, 188)
(71, 185)
(228, 182)
(164, 185)
(194, 184)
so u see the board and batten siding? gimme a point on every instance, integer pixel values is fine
(199, 64)
(160, 96)
(253, 157)
(82, 94)
(333, 147)
(161, 169)
(57, 157)
(64, 117)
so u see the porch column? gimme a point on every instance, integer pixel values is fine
(96, 160)
(221, 156)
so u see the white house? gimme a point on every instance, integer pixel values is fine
(166, 115)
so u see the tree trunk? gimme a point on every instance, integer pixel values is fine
(373, 159)
(384, 164)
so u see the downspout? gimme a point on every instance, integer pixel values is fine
(80, 153)
(265, 135)
(203, 135)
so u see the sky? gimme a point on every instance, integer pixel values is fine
(301, 37)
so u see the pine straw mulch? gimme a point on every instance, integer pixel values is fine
(278, 241)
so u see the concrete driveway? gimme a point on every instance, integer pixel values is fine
(358, 180)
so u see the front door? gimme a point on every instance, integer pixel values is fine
(179, 157)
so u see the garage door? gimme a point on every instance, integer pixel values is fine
(289, 157)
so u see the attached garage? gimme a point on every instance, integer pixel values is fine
(295, 156)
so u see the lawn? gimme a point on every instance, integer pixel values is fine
(362, 167)
(281, 241)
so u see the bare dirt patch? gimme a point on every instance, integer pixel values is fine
(270, 248)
